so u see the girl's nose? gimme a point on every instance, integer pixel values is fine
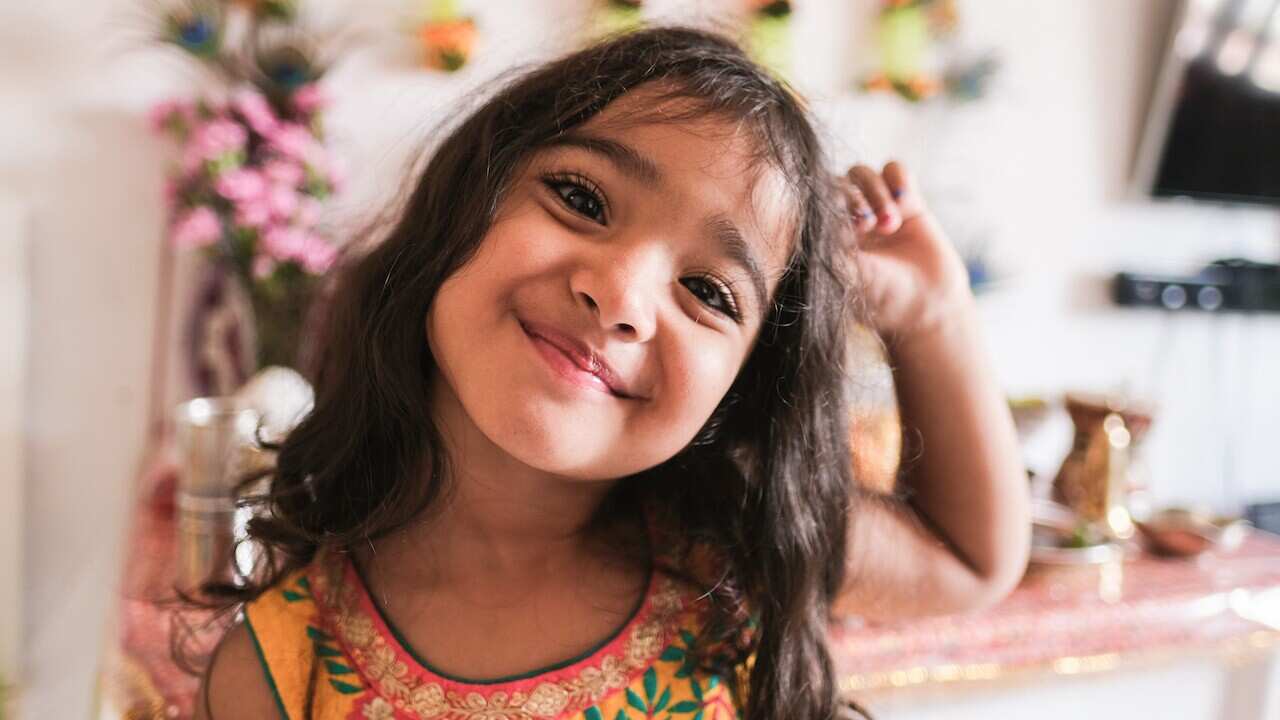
(621, 292)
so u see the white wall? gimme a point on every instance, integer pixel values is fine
(13, 356)
(1042, 164)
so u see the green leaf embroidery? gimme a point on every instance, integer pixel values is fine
(672, 654)
(676, 653)
(650, 684)
(292, 596)
(663, 699)
(304, 583)
(326, 651)
(634, 701)
(697, 689)
(317, 634)
(620, 716)
(336, 668)
(592, 713)
(344, 688)
(697, 715)
(685, 706)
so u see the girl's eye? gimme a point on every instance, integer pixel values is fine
(579, 197)
(714, 294)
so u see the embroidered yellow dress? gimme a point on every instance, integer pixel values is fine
(329, 654)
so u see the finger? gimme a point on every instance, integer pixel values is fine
(872, 185)
(902, 188)
(860, 212)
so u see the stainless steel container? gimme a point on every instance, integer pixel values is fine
(215, 437)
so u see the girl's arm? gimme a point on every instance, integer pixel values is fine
(958, 538)
(234, 685)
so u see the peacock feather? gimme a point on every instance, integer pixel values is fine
(195, 26)
(284, 58)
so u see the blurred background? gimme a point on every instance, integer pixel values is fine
(1039, 129)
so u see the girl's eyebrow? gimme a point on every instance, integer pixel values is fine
(738, 250)
(626, 158)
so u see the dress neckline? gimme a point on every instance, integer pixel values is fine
(375, 609)
(388, 665)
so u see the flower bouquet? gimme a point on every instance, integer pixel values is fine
(252, 172)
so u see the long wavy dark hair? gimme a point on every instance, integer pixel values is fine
(773, 488)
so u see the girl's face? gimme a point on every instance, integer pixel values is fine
(616, 295)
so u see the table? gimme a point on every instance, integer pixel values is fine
(1143, 613)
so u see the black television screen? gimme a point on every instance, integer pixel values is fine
(1214, 129)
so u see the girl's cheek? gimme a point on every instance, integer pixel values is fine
(706, 369)
(530, 238)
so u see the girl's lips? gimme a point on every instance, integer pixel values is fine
(564, 363)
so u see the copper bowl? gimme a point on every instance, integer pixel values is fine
(1180, 532)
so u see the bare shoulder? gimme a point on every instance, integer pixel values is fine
(236, 685)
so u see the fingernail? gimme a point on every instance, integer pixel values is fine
(897, 193)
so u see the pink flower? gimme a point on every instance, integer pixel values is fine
(318, 255)
(284, 172)
(309, 98)
(309, 210)
(296, 141)
(263, 267)
(241, 185)
(283, 243)
(336, 172)
(282, 200)
(218, 137)
(256, 111)
(197, 228)
(291, 244)
(170, 113)
(253, 213)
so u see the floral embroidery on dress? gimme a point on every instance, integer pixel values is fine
(378, 709)
(408, 690)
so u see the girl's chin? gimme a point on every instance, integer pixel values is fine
(575, 457)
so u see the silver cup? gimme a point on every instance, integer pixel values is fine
(215, 438)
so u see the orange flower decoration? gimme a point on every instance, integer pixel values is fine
(923, 86)
(447, 44)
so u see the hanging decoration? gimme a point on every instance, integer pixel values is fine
(768, 36)
(613, 17)
(446, 35)
(250, 180)
(916, 54)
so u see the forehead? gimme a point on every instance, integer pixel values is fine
(701, 166)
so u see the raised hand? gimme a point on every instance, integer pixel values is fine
(911, 274)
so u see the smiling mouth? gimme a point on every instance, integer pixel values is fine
(566, 364)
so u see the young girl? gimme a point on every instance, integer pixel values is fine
(579, 447)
